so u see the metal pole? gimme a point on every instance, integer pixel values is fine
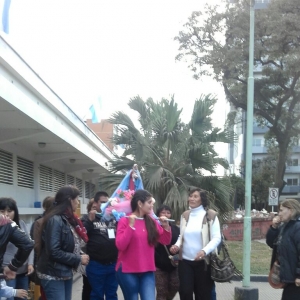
(249, 138)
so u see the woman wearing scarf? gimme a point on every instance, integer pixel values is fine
(284, 237)
(62, 238)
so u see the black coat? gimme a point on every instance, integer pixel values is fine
(288, 249)
(162, 261)
(57, 257)
(10, 232)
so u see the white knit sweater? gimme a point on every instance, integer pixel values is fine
(192, 241)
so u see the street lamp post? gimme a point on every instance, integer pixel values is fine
(249, 138)
(246, 292)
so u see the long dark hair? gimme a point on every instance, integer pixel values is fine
(143, 196)
(12, 205)
(202, 194)
(62, 203)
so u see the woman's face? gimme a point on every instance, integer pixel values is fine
(146, 207)
(165, 213)
(195, 200)
(285, 214)
(8, 212)
(74, 203)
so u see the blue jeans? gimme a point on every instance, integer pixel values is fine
(20, 282)
(133, 284)
(57, 289)
(213, 292)
(103, 281)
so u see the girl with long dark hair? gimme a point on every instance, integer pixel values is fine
(8, 207)
(62, 236)
(137, 236)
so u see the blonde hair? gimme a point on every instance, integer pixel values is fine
(293, 205)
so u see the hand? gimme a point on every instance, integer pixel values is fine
(174, 249)
(275, 222)
(30, 270)
(132, 218)
(9, 273)
(92, 215)
(200, 255)
(21, 294)
(85, 259)
(164, 222)
(297, 282)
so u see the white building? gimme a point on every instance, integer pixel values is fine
(237, 157)
(43, 143)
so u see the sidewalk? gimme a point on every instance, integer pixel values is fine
(225, 291)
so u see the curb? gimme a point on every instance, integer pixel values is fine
(253, 278)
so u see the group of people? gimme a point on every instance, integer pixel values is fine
(133, 252)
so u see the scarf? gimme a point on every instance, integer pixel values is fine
(74, 220)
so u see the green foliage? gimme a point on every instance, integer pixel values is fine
(217, 43)
(172, 156)
(238, 184)
(263, 176)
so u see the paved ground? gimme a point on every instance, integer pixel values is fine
(225, 291)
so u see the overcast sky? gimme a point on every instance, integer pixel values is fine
(114, 49)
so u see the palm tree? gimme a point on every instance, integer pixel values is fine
(173, 156)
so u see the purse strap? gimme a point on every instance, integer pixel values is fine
(167, 250)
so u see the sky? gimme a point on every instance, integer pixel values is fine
(112, 49)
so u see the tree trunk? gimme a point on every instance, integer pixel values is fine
(280, 168)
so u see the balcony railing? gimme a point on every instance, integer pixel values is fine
(291, 189)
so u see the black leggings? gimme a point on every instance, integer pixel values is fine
(291, 292)
(194, 277)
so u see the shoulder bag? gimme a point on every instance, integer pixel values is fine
(222, 268)
(274, 276)
(173, 258)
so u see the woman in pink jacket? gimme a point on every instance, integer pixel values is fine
(137, 236)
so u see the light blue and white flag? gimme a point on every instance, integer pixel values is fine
(4, 15)
(96, 111)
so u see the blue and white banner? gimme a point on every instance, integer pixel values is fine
(96, 111)
(4, 15)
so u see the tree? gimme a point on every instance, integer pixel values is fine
(217, 43)
(263, 175)
(172, 155)
(238, 184)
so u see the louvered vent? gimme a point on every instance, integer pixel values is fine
(59, 180)
(6, 168)
(93, 188)
(79, 185)
(25, 173)
(46, 179)
(70, 180)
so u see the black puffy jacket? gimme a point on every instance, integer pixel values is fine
(57, 257)
(288, 249)
(10, 232)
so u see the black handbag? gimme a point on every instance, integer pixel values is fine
(222, 267)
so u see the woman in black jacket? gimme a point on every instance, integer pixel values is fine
(62, 235)
(284, 237)
(166, 275)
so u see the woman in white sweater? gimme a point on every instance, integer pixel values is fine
(199, 236)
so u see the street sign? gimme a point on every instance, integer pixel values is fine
(273, 196)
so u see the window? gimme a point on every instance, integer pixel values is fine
(79, 185)
(292, 162)
(46, 179)
(6, 168)
(58, 180)
(292, 181)
(70, 180)
(25, 173)
(257, 142)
